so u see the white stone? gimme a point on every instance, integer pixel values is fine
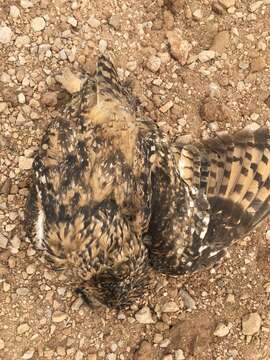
(21, 98)
(251, 324)
(26, 4)
(28, 354)
(227, 3)
(23, 328)
(206, 55)
(221, 330)
(5, 34)
(38, 24)
(72, 21)
(3, 241)
(170, 307)
(179, 354)
(144, 316)
(2, 344)
(255, 6)
(58, 316)
(25, 163)
(14, 11)
(70, 81)
(93, 22)
(153, 63)
(102, 45)
(22, 41)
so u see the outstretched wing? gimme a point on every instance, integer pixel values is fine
(227, 182)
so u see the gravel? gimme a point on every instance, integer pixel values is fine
(5, 34)
(251, 324)
(144, 316)
(189, 99)
(38, 24)
(221, 330)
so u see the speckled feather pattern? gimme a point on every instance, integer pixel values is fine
(111, 195)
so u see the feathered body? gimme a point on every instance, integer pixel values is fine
(111, 195)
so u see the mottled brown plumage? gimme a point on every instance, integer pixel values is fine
(111, 195)
(91, 197)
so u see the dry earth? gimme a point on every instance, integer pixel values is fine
(198, 67)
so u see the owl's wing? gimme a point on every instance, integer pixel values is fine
(227, 182)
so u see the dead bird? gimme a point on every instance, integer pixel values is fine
(111, 195)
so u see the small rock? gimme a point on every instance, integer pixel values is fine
(258, 64)
(217, 8)
(164, 343)
(164, 108)
(145, 351)
(179, 354)
(49, 99)
(28, 354)
(167, 357)
(3, 106)
(21, 329)
(93, 22)
(144, 316)
(38, 24)
(25, 163)
(77, 304)
(14, 11)
(251, 324)
(132, 65)
(2, 344)
(111, 356)
(22, 41)
(168, 20)
(213, 110)
(214, 90)
(267, 288)
(221, 42)
(197, 15)
(22, 291)
(206, 55)
(267, 103)
(92, 357)
(79, 355)
(70, 81)
(58, 316)
(30, 269)
(21, 98)
(3, 241)
(157, 338)
(115, 22)
(72, 21)
(5, 188)
(221, 330)
(170, 307)
(102, 45)
(179, 47)
(5, 34)
(255, 6)
(230, 299)
(26, 4)
(227, 3)
(153, 63)
(188, 301)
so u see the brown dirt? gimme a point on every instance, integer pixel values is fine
(235, 83)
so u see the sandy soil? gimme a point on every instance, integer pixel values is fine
(198, 67)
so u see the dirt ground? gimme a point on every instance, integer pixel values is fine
(198, 67)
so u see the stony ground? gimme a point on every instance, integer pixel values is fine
(198, 67)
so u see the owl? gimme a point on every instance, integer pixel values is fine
(111, 195)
